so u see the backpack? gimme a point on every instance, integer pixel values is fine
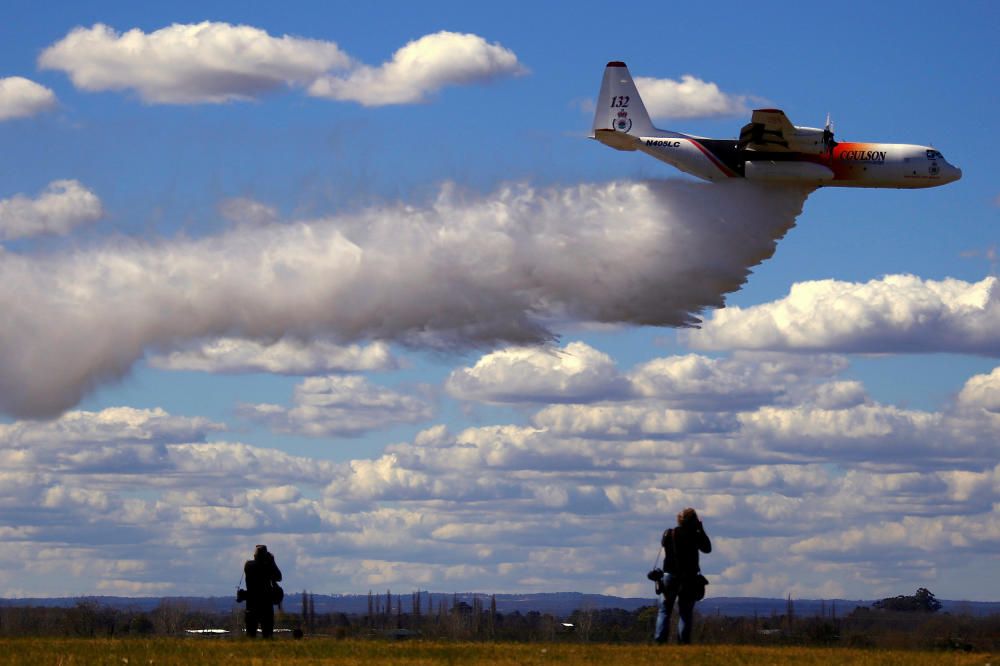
(669, 552)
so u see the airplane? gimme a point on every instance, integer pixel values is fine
(769, 148)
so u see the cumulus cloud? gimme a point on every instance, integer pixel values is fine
(120, 424)
(578, 373)
(982, 391)
(421, 68)
(21, 98)
(61, 207)
(893, 314)
(630, 421)
(690, 97)
(287, 356)
(537, 507)
(211, 62)
(461, 271)
(550, 487)
(743, 381)
(235, 465)
(190, 63)
(114, 440)
(575, 373)
(330, 406)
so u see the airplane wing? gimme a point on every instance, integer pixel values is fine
(768, 129)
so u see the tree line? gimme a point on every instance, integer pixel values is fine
(897, 622)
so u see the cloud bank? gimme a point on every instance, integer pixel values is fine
(21, 98)
(690, 97)
(893, 314)
(802, 495)
(341, 406)
(60, 208)
(458, 272)
(211, 62)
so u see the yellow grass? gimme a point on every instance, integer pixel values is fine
(190, 651)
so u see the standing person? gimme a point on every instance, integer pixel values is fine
(681, 570)
(262, 573)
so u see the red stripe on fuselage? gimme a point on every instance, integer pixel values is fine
(715, 160)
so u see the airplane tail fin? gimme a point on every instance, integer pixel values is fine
(619, 107)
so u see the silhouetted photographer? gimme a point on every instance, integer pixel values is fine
(262, 592)
(680, 579)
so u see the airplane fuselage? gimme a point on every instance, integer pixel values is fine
(846, 164)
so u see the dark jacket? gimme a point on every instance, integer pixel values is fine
(260, 575)
(687, 541)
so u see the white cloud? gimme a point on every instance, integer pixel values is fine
(731, 384)
(864, 492)
(331, 406)
(982, 391)
(894, 314)
(211, 62)
(234, 465)
(190, 63)
(60, 208)
(579, 373)
(575, 373)
(688, 98)
(21, 98)
(458, 272)
(527, 508)
(874, 434)
(420, 69)
(114, 424)
(629, 421)
(286, 356)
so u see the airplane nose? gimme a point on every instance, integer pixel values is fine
(954, 173)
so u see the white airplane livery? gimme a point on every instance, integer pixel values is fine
(769, 148)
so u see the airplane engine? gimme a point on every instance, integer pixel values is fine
(796, 172)
(810, 140)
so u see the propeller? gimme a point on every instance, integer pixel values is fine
(828, 132)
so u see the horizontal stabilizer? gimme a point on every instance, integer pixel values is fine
(617, 140)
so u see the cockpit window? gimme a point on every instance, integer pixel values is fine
(934, 155)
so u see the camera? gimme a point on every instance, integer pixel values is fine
(655, 575)
(241, 595)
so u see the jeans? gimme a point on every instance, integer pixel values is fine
(670, 592)
(263, 617)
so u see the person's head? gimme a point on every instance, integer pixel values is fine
(260, 552)
(687, 518)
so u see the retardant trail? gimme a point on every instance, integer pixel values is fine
(462, 271)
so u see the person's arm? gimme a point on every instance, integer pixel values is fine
(704, 543)
(276, 572)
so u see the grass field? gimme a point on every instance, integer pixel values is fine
(166, 651)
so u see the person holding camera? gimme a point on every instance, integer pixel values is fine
(682, 580)
(262, 576)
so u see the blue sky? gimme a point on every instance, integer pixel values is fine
(277, 295)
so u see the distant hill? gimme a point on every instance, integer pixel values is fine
(560, 604)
